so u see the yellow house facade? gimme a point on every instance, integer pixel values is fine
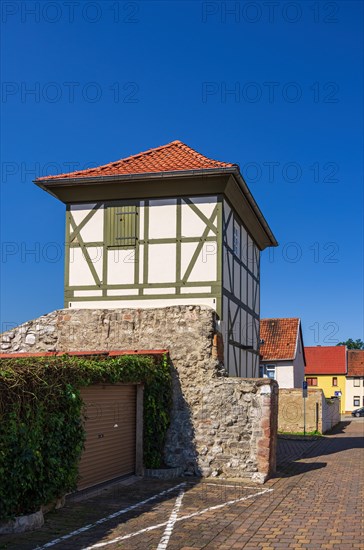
(331, 385)
(326, 368)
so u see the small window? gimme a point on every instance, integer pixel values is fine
(122, 226)
(356, 382)
(267, 371)
(334, 381)
(356, 401)
(311, 381)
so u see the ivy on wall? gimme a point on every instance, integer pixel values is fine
(41, 429)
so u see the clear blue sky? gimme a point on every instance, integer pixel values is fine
(277, 89)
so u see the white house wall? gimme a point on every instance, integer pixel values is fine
(121, 272)
(352, 391)
(241, 305)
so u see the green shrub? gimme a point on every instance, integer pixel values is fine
(41, 428)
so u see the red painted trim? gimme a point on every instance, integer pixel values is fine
(112, 353)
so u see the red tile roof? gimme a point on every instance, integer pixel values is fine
(280, 338)
(325, 360)
(356, 362)
(173, 157)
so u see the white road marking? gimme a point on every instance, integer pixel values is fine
(107, 518)
(182, 518)
(163, 543)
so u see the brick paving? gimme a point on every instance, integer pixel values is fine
(314, 502)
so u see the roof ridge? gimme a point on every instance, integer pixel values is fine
(197, 161)
(147, 152)
(281, 318)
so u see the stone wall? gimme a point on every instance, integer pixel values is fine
(321, 413)
(219, 426)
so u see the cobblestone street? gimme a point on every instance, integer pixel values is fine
(314, 502)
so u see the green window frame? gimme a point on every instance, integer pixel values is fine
(122, 226)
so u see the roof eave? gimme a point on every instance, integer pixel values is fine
(52, 182)
(280, 359)
(48, 184)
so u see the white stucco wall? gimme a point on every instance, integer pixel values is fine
(285, 374)
(351, 391)
(161, 257)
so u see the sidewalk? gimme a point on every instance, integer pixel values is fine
(315, 502)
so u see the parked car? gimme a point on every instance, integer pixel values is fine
(358, 412)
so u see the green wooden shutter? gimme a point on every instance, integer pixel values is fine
(122, 226)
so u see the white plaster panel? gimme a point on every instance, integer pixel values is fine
(244, 242)
(80, 211)
(120, 266)
(160, 302)
(256, 260)
(250, 329)
(236, 280)
(87, 293)
(79, 271)
(94, 228)
(141, 219)
(205, 268)
(162, 220)
(141, 262)
(225, 267)
(196, 289)
(250, 365)
(122, 292)
(159, 291)
(191, 223)
(162, 263)
(229, 226)
(243, 362)
(250, 291)
(244, 291)
(243, 329)
(257, 302)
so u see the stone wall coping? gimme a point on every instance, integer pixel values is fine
(299, 390)
(113, 353)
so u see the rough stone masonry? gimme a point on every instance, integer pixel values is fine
(220, 426)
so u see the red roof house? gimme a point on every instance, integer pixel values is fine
(282, 351)
(325, 360)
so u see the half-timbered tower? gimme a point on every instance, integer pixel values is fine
(165, 227)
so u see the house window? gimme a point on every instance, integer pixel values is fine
(267, 371)
(236, 239)
(356, 401)
(334, 381)
(356, 382)
(311, 381)
(121, 226)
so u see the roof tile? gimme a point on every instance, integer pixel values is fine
(173, 157)
(355, 362)
(280, 337)
(325, 360)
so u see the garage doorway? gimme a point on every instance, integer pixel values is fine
(113, 424)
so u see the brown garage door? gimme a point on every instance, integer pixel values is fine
(110, 433)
